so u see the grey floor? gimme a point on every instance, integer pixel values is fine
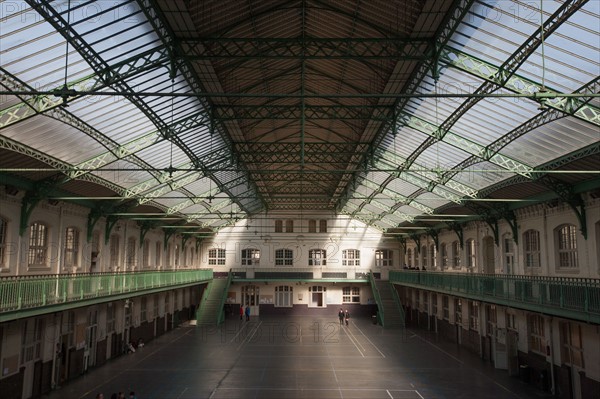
(300, 357)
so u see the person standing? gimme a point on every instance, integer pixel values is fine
(247, 313)
(241, 311)
(341, 316)
(347, 316)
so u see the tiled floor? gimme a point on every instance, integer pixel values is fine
(299, 357)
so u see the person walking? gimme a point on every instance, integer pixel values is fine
(241, 311)
(347, 316)
(341, 316)
(247, 313)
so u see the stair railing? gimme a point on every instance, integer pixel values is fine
(221, 311)
(380, 312)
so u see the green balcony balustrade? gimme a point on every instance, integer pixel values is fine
(25, 296)
(573, 298)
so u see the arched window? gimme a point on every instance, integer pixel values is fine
(284, 296)
(409, 258)
(284, 257)
(566, 237)
(433, 255)
(444, 251)
(38, 245)
(114, 251)
(456, 254)
(71, 250)
(130, 255)
(157, 254)
(531, 248)
(146, 254)
(250, 257)
(351, 257)
(177, 253)
(508, 252)
(3, 260)
(471, 254)
(351, 295)
(317, 257)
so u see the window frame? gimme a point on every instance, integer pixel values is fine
(37, 253)
(317, 257)
(350, 294)
(351, 257)
(71, 247)
(531, 248)
(250, 257)
(384, 258)
(565, 237)
(217, 257)
(284, 257)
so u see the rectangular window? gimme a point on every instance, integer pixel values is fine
(312, 226)
(279, 226)
(317, 257)
(250, 257)
(289, 226)
(130, 258)
(474, 315)
(71, 251)
(491, 320)
(531, 242)
(157, 253)
(38, 245)
(143, 309)
(3, 261)
(567, 247)
(216, 256)
(434, 304)
(471, 255)
(351, 295)
(537, 338)
(446, 307)
(284, 257)
(351, 257)
(456, 254)
(444, 255)
(323, 226)
(146, 254)
(114, 251)
(110, 318)
(457, 311)
(383, 258)
(571, 344)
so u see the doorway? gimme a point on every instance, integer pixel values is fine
(317, 296)
(251, 298)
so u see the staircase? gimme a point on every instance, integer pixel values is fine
(390, 309)
(210, 311)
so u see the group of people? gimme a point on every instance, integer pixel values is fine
(344, 316)
(245, 312)
(413, 268)
(120, 395)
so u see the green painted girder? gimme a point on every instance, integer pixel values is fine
(307, 48)
(510, 66)
(398, 198)
(295, 112)
(395, 161)
(576, 107)
(465, 144)
(453, 20)
(138, 144)
(33, 105)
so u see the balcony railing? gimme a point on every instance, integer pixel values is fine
(576, 298)
(21, 293)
